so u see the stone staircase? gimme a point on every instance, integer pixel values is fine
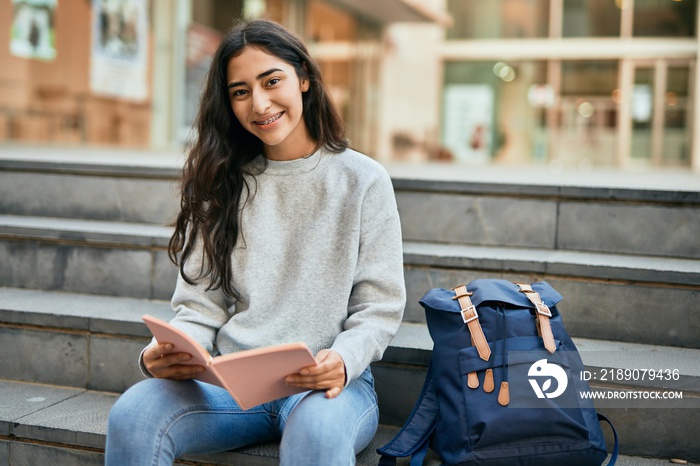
(84, 254)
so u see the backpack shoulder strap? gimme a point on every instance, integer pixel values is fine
(414, 436)
(613, 456)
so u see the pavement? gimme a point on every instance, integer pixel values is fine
(637, 177)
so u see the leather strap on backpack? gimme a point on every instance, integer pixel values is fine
(471, 318)
(542, 315)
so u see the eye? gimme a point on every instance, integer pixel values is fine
(239, 93)
(273, 81)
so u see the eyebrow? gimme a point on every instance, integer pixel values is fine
(260, 76)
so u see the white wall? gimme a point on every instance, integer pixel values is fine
(410, 87)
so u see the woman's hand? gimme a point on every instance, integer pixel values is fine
(163, 363)
(328, 374)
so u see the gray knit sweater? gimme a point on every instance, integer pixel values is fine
(318, 260)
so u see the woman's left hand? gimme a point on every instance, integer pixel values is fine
(328, 374)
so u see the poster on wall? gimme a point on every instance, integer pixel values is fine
(468, 121)
(119, 58)
(202, 42)
(33, 34)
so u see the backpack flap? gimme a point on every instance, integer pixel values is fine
(486, 295)
(508, 292)
(483, 290)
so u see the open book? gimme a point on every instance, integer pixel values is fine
(251, 377)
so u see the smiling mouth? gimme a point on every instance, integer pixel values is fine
(269, 120)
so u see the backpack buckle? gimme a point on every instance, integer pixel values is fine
(469, 314)
(543, 309)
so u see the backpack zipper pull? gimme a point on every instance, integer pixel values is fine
(488, 381)
(504, 394)
(472, 380)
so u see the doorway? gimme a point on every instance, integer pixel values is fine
(659, 115)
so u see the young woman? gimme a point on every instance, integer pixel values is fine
(284, 234)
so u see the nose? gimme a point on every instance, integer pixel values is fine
(261, 102)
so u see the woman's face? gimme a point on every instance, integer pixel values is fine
(265, 95)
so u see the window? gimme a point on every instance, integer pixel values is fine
(591, 18)
(676, 134)
(492, 19)
(495, 111)
(664, 18)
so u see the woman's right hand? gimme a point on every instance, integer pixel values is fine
(163, 363)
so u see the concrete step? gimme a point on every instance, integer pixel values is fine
(41, 424)
(606, 266)
(531, 209)
(608, 296)
(95, 341)
(601, 266)
(551, 215)
(98, 339)
(624, 256)
(139, 192)
(86, 256)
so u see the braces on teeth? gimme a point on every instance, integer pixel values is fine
(270, 120)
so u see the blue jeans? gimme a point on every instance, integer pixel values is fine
(158, 420)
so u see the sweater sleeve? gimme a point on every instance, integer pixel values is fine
(378, 296)
(199, 312)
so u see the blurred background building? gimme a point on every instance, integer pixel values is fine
(562, 83)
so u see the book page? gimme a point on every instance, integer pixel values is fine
(166, 333)
(257, 376)
(251, 377)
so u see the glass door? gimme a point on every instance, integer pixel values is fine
(676, 145)
(642, 114)
(659, 113)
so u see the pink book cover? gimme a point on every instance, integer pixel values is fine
(251, 377)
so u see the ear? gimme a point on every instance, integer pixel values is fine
(305, 83)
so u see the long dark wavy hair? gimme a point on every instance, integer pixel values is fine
(213, 177)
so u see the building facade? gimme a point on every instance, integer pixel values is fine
(578, 83)
(564, 83)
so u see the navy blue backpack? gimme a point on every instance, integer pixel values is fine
(503, 386)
